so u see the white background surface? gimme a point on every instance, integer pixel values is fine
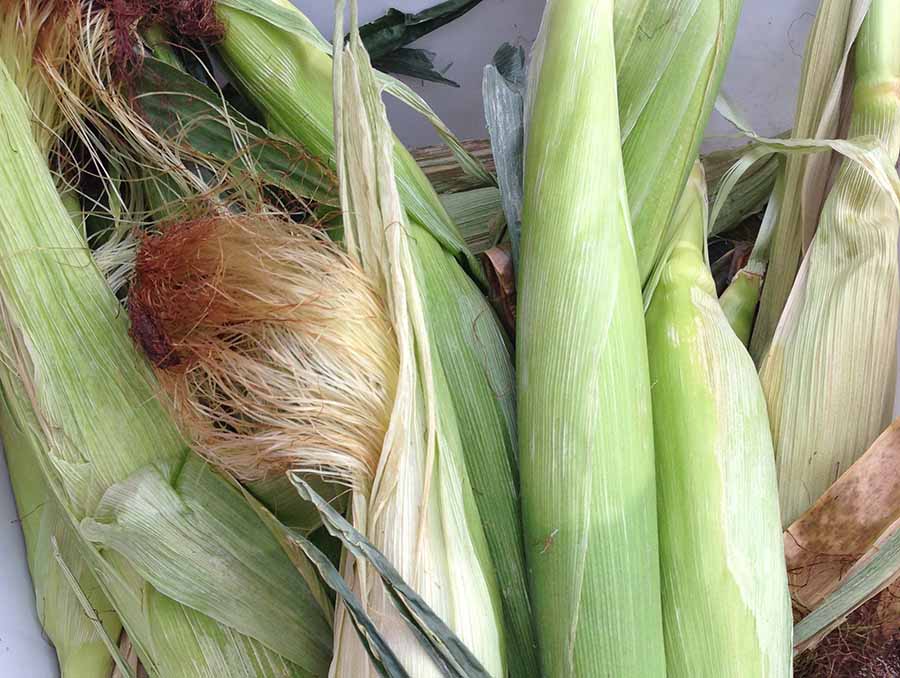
(762, 79)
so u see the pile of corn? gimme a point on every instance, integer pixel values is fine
(268, 411)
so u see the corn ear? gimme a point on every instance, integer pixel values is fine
(670, 59)
(726, 608)
(739, 302)
(273, 64)
(289, 78)
(101, 431)
(585, 427)
(830, 372)
(420, 512)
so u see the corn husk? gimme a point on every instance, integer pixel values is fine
(726, 608)
(585, 428)
(278, 59)
(670, 59)
(749, 196)
(830, 372)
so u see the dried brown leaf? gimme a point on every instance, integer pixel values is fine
(823, 544)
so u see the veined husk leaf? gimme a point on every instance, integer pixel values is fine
(155, 525)
(803, 192)
(478, 213)
(182, 109)
(830, 372)
(448, 653)
(288, 75)
(420, 512)
(670, 59)
(99, 422)
(585, 426)
(726, 608)
(751, 194)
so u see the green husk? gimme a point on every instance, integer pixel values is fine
(830, 372)
(293, 91)
(740, 300)
(585, 427)
(503, 90)
(80, 646)
(726, 608)
(99, 429)
(670, 59)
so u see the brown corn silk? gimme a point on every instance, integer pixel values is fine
(190, 18)
(272, 345)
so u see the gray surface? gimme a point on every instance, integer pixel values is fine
(762, 78)
(23, 650)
